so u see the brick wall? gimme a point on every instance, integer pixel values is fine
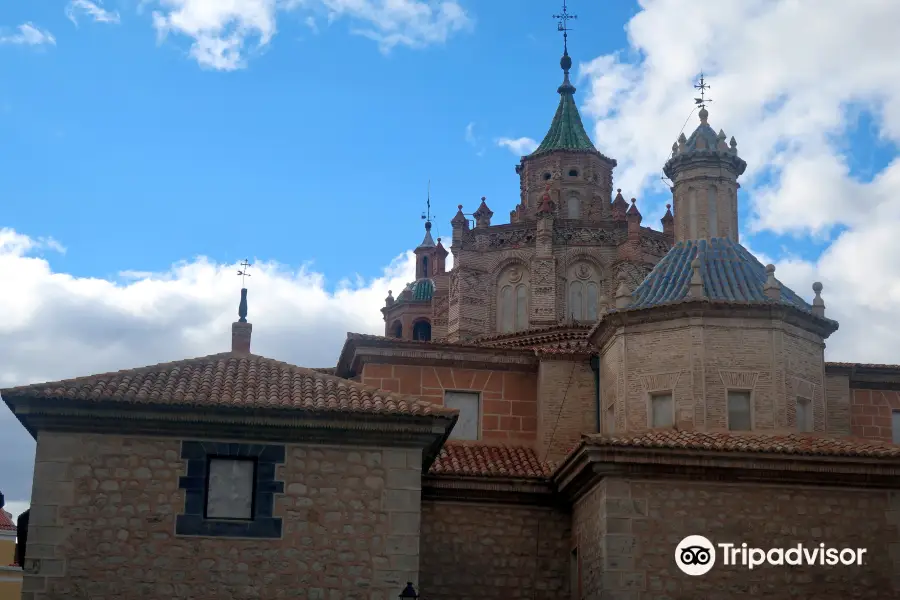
(633, 527)
(837, 403)
(473, 551)
(567, 406)
(870, 413)
(508, 399)
(103, 521)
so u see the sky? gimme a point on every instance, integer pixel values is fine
(148, 146)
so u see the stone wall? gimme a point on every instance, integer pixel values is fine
(472, 551)
(567, 406)
(629, 529)
(508, 399)
(103, 525)
(870, 413)
(698, 360)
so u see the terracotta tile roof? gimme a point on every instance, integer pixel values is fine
(6, 522)
(478, 459)
(797, 444)
(538, 336)
(864, 365)
(231, 380)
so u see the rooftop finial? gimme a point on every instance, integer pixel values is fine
(562, 25)
(427, 215)
(244, 272)
(702, 101)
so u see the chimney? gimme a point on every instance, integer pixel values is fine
(241, 329)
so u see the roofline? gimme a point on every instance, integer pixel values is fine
(428, 431)
(704, 307)
(590, 462)
(867, 376)
(409, 352)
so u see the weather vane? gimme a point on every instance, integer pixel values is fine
(702, 101)
(562, 25)
(245, 271)
(427, 216)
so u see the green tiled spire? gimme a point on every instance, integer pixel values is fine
(566, 131)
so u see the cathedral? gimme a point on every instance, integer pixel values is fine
(553, 418)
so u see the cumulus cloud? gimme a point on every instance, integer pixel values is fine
(28, 34)
(518, 146)
(57, 325)
(791, 94)
(92, 10)
(223, 33)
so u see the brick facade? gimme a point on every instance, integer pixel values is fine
(871, 413)
(103, 521)
(626, 532)
(509, 406)
(472, 551)
(567, 406)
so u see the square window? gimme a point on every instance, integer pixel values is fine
(662, 410)
(895, 426)
(804, 415)
(230, 488)
(467, 403)
(739, 411)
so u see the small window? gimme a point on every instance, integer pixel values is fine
(573, 172)
(895, 426)
(662, 410)
(467, 404)
(547, 176)
(739, 411)
(229, 488)
(575, 576)
(804, 415)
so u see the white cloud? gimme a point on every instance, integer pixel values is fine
(29, 35)
(789, 80)
(223, 33)
(57, 325)
(518, 146)
(94, 10)
(474, 140)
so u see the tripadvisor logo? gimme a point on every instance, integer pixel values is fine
(696, 555)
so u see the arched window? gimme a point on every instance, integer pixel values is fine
(422, 331)
(576, 300)
(424, 266)
(397, 330)
(584, 292)
(574, 205)
(512, 300)
(573, 172)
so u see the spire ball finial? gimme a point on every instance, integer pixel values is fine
(668, 206)
(817, 287)
(565, 62)
(704, 115)
(770, 268)
(459, 206)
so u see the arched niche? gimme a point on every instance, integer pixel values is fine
(512, 298)
(573, 206)
(584, 288)
(397, 329)
(421, 331)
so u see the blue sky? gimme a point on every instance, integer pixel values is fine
(147, 146)
(320, 145)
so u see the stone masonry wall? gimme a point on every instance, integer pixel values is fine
(699, 360)
(870, 413)
(103, 521)
(639, 524)
(508, 399)
(472, 551)
(567, 406)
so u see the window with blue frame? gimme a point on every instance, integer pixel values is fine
(230, 490)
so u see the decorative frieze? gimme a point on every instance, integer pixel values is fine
(585, 236)
(739, 380)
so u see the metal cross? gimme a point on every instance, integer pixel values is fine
(702, 101)
(245, 271)
(563, 18)
(427, 216)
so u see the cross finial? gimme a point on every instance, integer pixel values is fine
(562, 25)
(244, 272)
(702, 101)
(427, 215)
